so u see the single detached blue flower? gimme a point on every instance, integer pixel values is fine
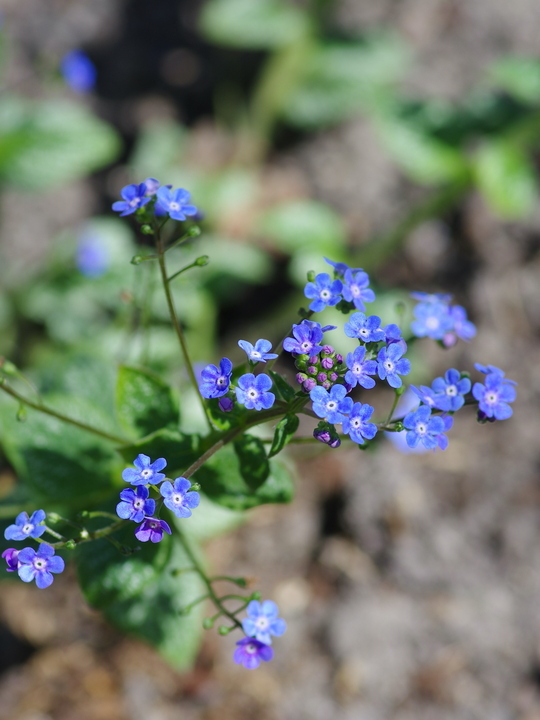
(39, 565)
(433, 319)
(356, 290)
(364, 328)
(391, 365)
(258, 352)
(252, 391)
(262, 621)
(331, 406)
(178, 498)
(147, 472)
(423, 428)
(215, 381)
(92, 257)
(176, 202)
(360, 369)
(450, 390)
(26, 527)
(323, 292)
(152, 529)
(135, 504)
(357, 425)
(10, 556)
(78, 71)
(493, 397)
(307, 336)
(134, 196)
(250, 652)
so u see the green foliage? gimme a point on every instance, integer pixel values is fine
(179, 449)
(252, 461)
(304, 224)
(282, 387)
(520, 76)
(284, 433)
(144, 402)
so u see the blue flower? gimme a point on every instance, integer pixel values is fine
(463, 328)
(215, 381)
(134, 196)
(392, 333)
(357, 425)
(360, 369)
(333, 405)
(390, 366)
(323, 292)
(152, 186)
(423, 428)
(339, 268)
(178, 498)
(356, 290)
(78, 71)
(492, 370)
(39, 565)
(433, 319)
(250, 652)
(432, 297)
(252, 391)
(175, 202)
(10, 556)
(494, 396)
(307, 336)
(152, 529)
(92, 257)
(364, 328)
(450, 390)
(442, 440)
(426, 395)
(258, 352)
(262, 621)
(26, 527)
(147, 472)
(135, 504)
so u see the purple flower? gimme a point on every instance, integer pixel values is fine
(26, 526)
(135, 504)
(357, 425)
(356, 290)
(333, 405)
(215, 381)
(390, 366)
(78, 71)
(178, 498)
(258, 352)
(307, 336)
(450, 390)
(423, 428)
(262, 621)
(147, 472)
(134, 196)
(433, 319)
(226, 404)
(323, 292)
(175, 202)
(39, 565)
(326, 434)
(364, 328)
(252, 391)
(10, 556)
(360, 369)
(250, 652)
(152, 529)
(494, 396)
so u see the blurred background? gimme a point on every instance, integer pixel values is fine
(401, 137)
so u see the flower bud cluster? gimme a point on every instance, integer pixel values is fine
(324, 369)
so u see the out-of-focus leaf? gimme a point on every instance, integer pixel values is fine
(209, 520)
(520, 76)
(301, 224)
(253, 463)
(144, 402)
(160, 146)
(284, 433)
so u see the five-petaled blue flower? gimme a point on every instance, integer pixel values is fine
(262, 621)
(39, 565)
(252, 391)
(26, 527)
(356, 290)
(215, 381)
(423, 428)
(258, 352)
(175, 202)
(134, 196)
(178, 498)
(78, 71)
(323, 292)
(147, 472)
(331, 406)
(360, 369)
(433, 319)
(357, 425)
(152, 529)
(391, 365)
(135, 504)
(364, 328)
(307, 336)
(250, 652)
(450, 390)
(493, 396)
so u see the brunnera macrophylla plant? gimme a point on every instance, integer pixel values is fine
(133, 529)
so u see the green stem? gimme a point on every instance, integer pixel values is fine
(394, 404)
(87, 536)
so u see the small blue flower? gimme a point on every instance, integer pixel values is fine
(442, 440)
(339, 268)
(250, 652)
(423, 428)
(26, 527)
(493, 370)
(178, 498)
(323, 292)
(252, 391)
(364, 328)
(147, 472)
(152, 529)
(450, 390)
(392, 334)
(262, 621)
(10, 556)
(357, 425)
(423, 297)
(258, 352)
(307, 336)
(135, 504)
(331, 406)
(152, 186)
(78, 71)
(360, 369)
(39, 565)
(215, 381)
(92, 258)
(426, 395)
(176, 202)
(391, 365)
(134, 196)
(493, 397)
(433, 319)
(356, 290)
(463, 328)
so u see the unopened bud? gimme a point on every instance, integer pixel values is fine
(137, 259)
(225, 404)
(194, 231)
(71, 545)
(224, 630)
(311, 276)
(147, 230)
(208, 623)
(202, 261)
(327, 363)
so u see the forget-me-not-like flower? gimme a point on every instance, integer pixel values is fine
(39, 565)
(423, 428)
(433, 319)
(135, 504)
(495, 395)
(357, 425)
(450, 390)
(252, 391)
(331, 405)
(307, 338)
(179, 498)
(146, 472)
(258, 352)
(175, 202)
(356, 290)
(134, 196)
(360, 369)
(250, 652)
(364, 328)
(152, 529)
(215, 381)
(323, 292)
(262, 621)
(391, 365)
(26, 526)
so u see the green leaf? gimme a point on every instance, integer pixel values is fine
(253, 463)
(144, 402)
(209, 520)
(520, 76)
(282, 386)
(179, 449)
(285, 430)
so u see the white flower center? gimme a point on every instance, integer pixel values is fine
(491, 398)
(331, 405)
(250, 648)
(389, 366)
(357, 369)
(146, 473)
(27, 529)
(451, 390)
(177, 498)
(174, 206)
(39, 564)
(255, 354)
(325, 294)
(138, 504)
(355, 290)
(356, 422)
(252, 394)
(306, 345)
(221, 380)
(421, 428)
(432, 322)
(262, 623)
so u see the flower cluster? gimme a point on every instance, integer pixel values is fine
(349, 287)
(161, 200)
(261, 623)
(437, 319)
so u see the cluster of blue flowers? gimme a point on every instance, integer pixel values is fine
(162, 198)
(348, 285)
(29, 564)
(437, 319)
(261, 623)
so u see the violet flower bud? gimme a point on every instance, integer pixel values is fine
(327, 363)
